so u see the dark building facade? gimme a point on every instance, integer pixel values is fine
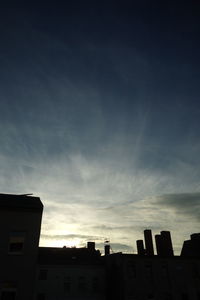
(70, 273)
(20, 223)
(191, 248)
(28, 271)
(146, 277)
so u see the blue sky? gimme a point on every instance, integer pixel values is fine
(100, 118)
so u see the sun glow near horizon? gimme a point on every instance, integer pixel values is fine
(60, 243)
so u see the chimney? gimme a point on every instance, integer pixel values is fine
(195, 236)
(107, 249)
(148, 242)
(91, 246)
(140, 247)
(159, 244)
(167, 243)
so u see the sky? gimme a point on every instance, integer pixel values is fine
(100, 117)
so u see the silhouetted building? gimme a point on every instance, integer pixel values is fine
(131, 276)
(191, 248)
(148, 242)
(20, 222)
(70, 273)
(47, 273)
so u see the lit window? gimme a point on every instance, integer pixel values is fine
(16, 242)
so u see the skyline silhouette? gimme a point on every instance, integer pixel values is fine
(158, 244)
(29, 271)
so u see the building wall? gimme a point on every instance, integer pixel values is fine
(153, 278)
(18, 228)
(77, 282)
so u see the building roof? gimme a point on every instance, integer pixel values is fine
(119, 256)
(20, 202)
(191, 248)
(65, 255)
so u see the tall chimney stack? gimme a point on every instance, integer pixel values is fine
(167, 243)
(159, 244)
(140, 247)
(148, 242)
(91, 246)
(107, 248)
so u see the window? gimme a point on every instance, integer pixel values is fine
(82, 284)
(8, 295)
(167, 296)
(16, 242)
(165, 272)
(184, 296)
(149, 272)
(67, 284)
(43, 274)
(95, 284)
(41, 296)
(131, 270)
(195, 271)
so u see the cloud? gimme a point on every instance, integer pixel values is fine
(71, 236)
(116, 247)
(99, 241)
(183, 203)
